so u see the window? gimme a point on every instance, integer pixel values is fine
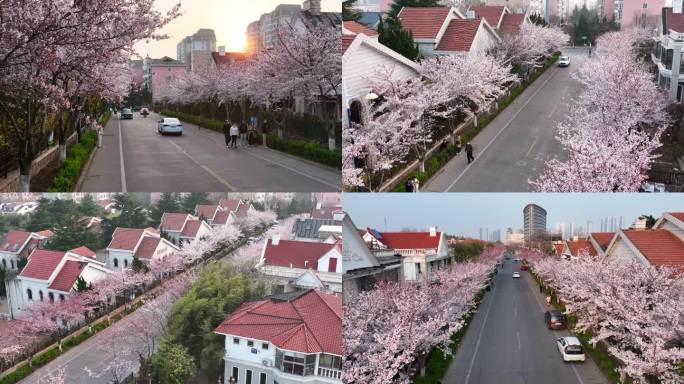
(262, 378)
(668, 59)
(248, 377)
(264, 345)
(236, 340)
(4, 264)
(29, 293)
(236, 374)
(40, 295)
(125, 263)
(61, 297)
(330, 361)
(250, 343)
(116, 262)
(645, 5)
(12, 263)
(51, 296)
(295, 363)
(332, 264)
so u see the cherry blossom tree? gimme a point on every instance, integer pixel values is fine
(530, 45)
(611, 133)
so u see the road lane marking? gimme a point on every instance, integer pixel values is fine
(502, 129)
(121, 160)
(479, 337)
(536, 138)
(207, 169)
(517, 334)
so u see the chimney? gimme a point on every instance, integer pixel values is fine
(313, 6)
(676, 6)
(275, 240)
(222, 50)
(433, 231)
(470, 15)
(338, 215)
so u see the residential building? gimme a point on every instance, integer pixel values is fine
(145, 244)
(287, 339)
(322, 212)
(195, 50)
(644, 13)
(534, 218)
(227, 211)
(362, 268)
(226, 59)
(183, 228)
(17, 245)
(253, 37)
(667, 54)
(577, 248)
(318, 230)
(291, 265)
(514, 238)
(421, 252)
(51, 276)
(663, 245)
(159, 73)
(600, 241)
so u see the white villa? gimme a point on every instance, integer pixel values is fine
(146, 244)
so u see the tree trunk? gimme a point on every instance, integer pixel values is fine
(421, 165)
(61, 137)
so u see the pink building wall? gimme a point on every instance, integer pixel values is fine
(137, 73)
(385, 5)
(609, 9)
(162, 75)
(633, 9)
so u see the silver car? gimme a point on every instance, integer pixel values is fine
(564, 61)
(170, 125)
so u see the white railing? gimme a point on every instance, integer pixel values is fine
(328, 372)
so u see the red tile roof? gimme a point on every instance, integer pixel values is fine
(324, 213)
(206, 211)
(459, 35)
(347, 40)
(410, 240)
(661, 247)
(673, 21)
(559, 249)
(603, 238)
(423, 22)
(581, 244)
(299, 254)
(13, 241)
(147, 247)
(242, 211)
(491, 13)
(228, 57)
(42, 264)
(511, 23)
(221, 217)
(308, 323)
(45, 233)
(677, 215)
(172, 221)
(125, 238)
(191, 228)
(229, 204)
(84, 251)
(67, 276)
(356, 28)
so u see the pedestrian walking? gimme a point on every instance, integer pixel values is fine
(416, 185)
(548, 300)
(409, 185)
(251, 135)
(234, 132)
(226, 132)
(469, 152)
(200, 123)
(589, 52)
(243, 133)
(265, 128)
(541, 288)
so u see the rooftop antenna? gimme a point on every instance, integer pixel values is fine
(385, 223)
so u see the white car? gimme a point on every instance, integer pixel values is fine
(564, 61)
(570, 348)
(170, 125)
(516, 275)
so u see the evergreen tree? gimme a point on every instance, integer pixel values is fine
(397, 5)
(3, 273)
(537, 19)
(138, 266)
(75, 234)
(189, 202)
(51, 213)
(168, 203)
(173, 364)
(88, 207)
(130, 215)
(348, 11)
(82, 285)
(393, 36)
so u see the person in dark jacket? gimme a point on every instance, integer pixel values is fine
(469, 152)
(243, 133)
(409, 185)
(226, 132)
(265, 128)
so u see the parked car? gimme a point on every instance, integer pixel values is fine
(555, 319)
(126, 114)
(170, 125)
(570, 348)
(516, 274)
(564, 61)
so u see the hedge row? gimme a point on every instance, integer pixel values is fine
(468, 134)
(306, 150)
(436, 162)
(77, 156)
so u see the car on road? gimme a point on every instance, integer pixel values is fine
(516, 274)
(555, 319)
(564, 61)
(126, 114)
(570, 348)
(170, 125)
(524, 267)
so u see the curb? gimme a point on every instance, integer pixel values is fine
(85, 170)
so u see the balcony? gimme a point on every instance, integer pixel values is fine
(330, 373)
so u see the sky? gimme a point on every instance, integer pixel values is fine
(228, 19)
(466, 213)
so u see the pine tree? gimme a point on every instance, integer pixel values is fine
(130, 215)
(348, 11)
(189, 202)
(81, 285)
(138, 266)
(393, 36)
(75, 234)
(168, 203)
(88, 207)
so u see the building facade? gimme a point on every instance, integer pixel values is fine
(534, 218)
(195, 50)
(667, 51)
(159, 73)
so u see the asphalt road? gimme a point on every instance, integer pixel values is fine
(135, 158)
(512, 149)
(508, 342)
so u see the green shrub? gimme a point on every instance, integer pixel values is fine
(70, 170)
(307, 150)
(19, 374)
(46, 357)
(432, 166)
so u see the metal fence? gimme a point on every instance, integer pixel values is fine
(674, 178)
